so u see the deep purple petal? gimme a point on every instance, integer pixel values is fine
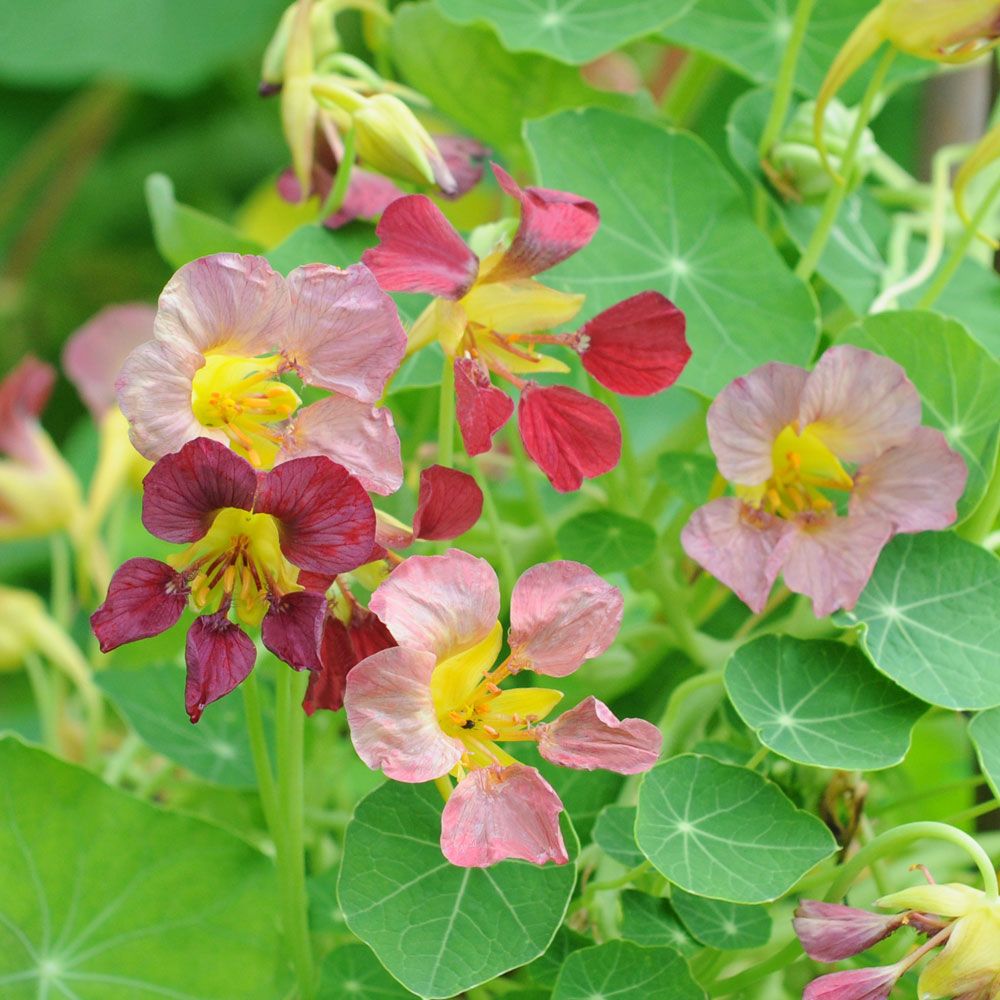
(219, 657)
(145, 598)
(291, 628)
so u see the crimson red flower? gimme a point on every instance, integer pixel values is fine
(255, 543)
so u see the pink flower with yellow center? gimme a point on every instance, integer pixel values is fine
(249, 535)
(490, 315)
(432, 706)
(826, 467)
(229, 329)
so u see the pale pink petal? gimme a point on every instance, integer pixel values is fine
(561, 613)
(859, 404)
(590, 736)
(914, 485)
(748, 415)
(358, 436)
(154, 393)
(830, 932)
(441, 604)
(368, 196)
(94, 354)
(24, 393)
(874, 983)
(391, 713)
(497, 813)
(734, 542)
(829, 558)
(226, 302)
(345, 333)
(390, 533)
(464, 158)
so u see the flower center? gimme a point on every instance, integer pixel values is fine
(239, 562)
(803, 468)
(242, 396)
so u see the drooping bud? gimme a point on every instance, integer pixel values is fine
(830, 932)
(858, 984)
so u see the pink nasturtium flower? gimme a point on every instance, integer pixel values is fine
(432, 706)
(490, 314)
(248, 534)
(791, 442)
(229, 327)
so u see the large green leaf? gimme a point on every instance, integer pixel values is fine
(984, 731)
(929, 619)
(673, 220)
(722, 925)
(606, 541)
(821, 703)
(626, 971)
(652, 921)
(614, 833)
(437, 928)
(152, 699)
(469, 76)
(353, 971)
(573, 31)
(165, 46)
(958, 382)
(104, 897)
(723, 831)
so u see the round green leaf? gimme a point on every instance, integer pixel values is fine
(614, 833)
(626, 971)
(984, 731)
(353, 971)
(573, 31)
(652, 921)
(702, 250)
(929, 619)
(606, 541)
(437, 928)
(688, 474)
(722, 925)
(723, 831)
(107, 898)
(821, 703)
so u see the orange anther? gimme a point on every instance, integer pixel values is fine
(492, 688)
(457, 718)
(493, 734)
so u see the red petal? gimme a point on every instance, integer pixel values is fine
(145, 598)
(482, 408)
(420, 251)
(219, 657)
(570, 436)
(291, 628)
(327, 520)
(636, 347)
(554, 225)
(448, 504)
(184, 491)
(23, 395)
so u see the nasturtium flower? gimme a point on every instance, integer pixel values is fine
(432, 706)
(249, 535)
(39, 493)
(228, 328)
(490, 314)
(826, 467)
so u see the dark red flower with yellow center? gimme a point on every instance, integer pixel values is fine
(249, 534)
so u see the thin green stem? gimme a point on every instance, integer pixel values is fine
(45, 701)
(446, 414)
(980, 524)
(266, 787)
(734, 985)
(342, 179)
(508, 572)
(61, 591)
(527, 478)
(690, 88)
(838, 191)
(758, 758)
(974, 812)
(785, 83)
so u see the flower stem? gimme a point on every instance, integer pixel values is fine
(530, 487)
(690, 87)
(786, 78)
(45, 701)
(838, 192)
(446, 414)
(508, 572)
(335, 199)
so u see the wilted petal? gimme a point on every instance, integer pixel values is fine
(829, 558)
(23, 395)
(291, 628)
(391, 713)
(914, 485)
(391, 533)
(859, 404)
(356, 435)
(970, 961)
(636, 347)
(441, 604)
(858, 984)
(568, 435)
(481, 407)
(464, 158)
(734, 543)
(449, 503)
(590, 736)
(496, 813)
(344, 333)
(219, 657)
(561, 613)
(830, 932)
(226, 302)
(184, 491)
(420, 251)
(327, 522)
(748, 415)
(554, 225)
(145, 597)
(94, 354)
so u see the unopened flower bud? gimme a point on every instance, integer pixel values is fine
(830, 932)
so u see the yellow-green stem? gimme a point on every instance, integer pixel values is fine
(342, 179)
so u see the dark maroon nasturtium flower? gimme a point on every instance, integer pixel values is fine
(250, 535)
